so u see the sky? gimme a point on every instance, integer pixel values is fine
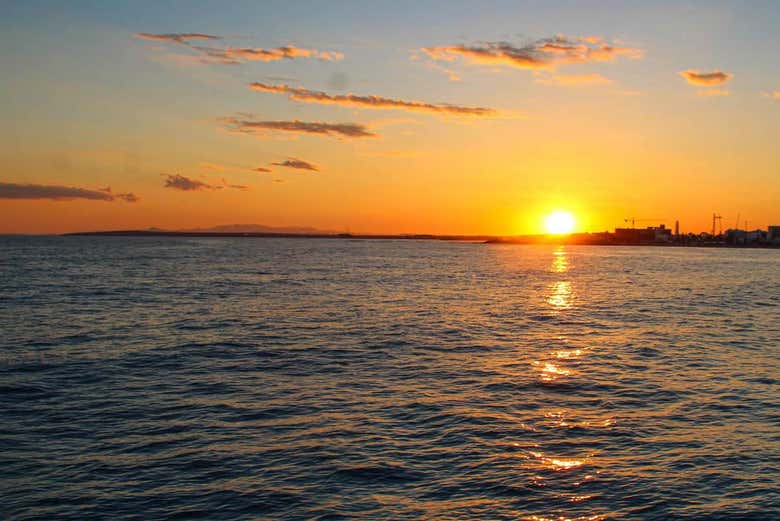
(401, 117)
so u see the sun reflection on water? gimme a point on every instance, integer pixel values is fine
(584, 497)
(556, 463)
(566, 354)
(550, 372)
(552, 368)
(561, 292)
(562, 464)
(560, 419)
(561, 295)
(595, 517)
(560, 262)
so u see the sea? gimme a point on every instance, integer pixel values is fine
(332, 379)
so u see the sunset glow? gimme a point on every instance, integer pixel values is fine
(558, 223)
(305, 117)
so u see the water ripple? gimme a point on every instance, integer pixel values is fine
(318, 379)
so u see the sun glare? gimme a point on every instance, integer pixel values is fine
(559, 223)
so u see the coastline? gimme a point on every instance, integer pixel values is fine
(574, 239)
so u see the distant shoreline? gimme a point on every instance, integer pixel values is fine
(577, 239)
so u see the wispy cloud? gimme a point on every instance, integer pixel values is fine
(545, 53)
(187, 184)
(182, 38)
(61, 193)
(297, 163)
(706, 78)
(236, 55)
(259, 128)
(574, 80)
(451, 74)
(239, 54)
(262, 170)
(375, 102)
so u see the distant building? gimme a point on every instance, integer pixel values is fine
(643, 235)
(773, 235)
(662, 233)
(756, 236)
(744, 237)
(736, 236)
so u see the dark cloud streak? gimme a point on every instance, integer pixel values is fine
(187, 184)
(345, 130)
(297, 163)
(544, 53)
(61, 193)
(237, 55)
(706, 78)
(376, 102)
(182, 38)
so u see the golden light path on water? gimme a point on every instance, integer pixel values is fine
(553, 370)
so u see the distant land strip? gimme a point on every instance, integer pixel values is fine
(584, 239)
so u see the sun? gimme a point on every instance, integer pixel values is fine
(559, 223)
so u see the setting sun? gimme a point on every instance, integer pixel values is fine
(559, 223)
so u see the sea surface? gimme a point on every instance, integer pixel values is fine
(210, 378)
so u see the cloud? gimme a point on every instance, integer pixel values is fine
(225, 184)
(182, 38)
(262, 170)
(546, 53)
(128, 197)
(376, 102)
(267, 55)
(297, 163)
(236, 55)
(451, 74)
(708, 93)
(574, 80)
(61, 193)
(347, 130)
(187, 184)
(776, 94)
(608, 53)
(592, 39)
(706, 78)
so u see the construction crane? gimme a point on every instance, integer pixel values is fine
(634, 220)
(719, 218)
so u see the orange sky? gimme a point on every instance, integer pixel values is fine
(473, 126)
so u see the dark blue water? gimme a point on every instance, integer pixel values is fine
(327, 379)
